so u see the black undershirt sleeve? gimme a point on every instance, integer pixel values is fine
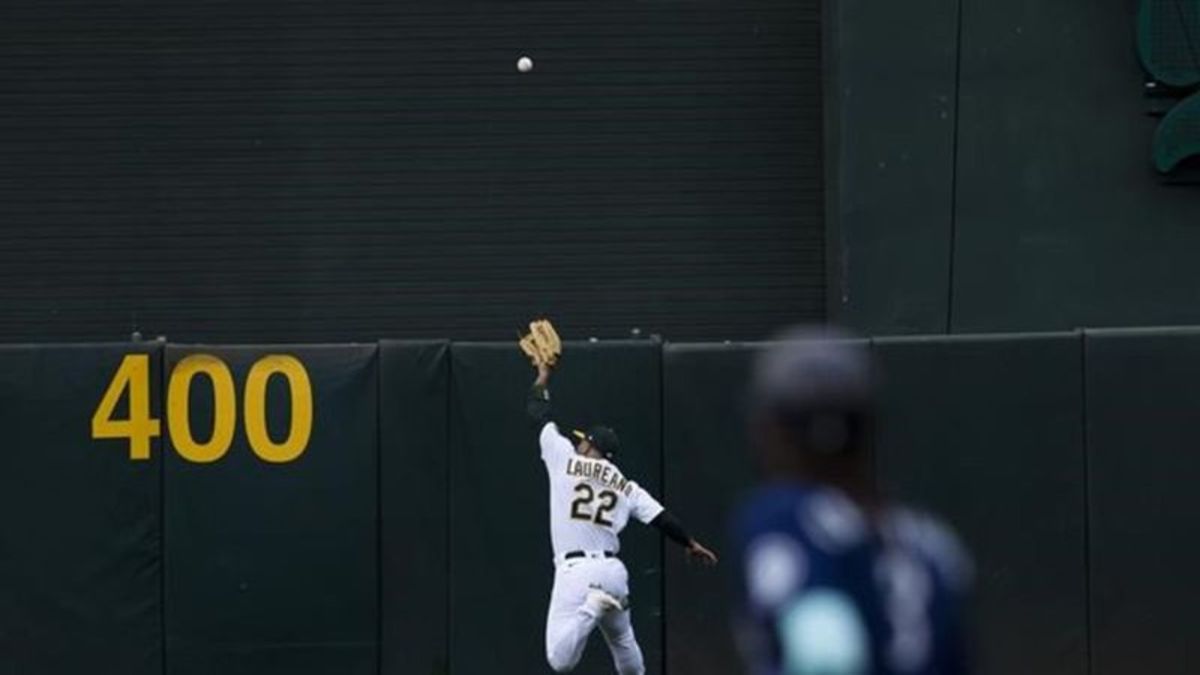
(672, 529)
(538, 404)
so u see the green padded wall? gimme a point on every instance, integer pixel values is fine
(80, 529)
(240, 566)
(501, 569)
(414, 381)
(272, 568)
(1142, 410)
(706, 468)
(988, 432)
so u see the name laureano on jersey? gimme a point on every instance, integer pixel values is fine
(600, 472)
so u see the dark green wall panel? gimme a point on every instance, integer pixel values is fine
(80, 529)
(707, 467)
(414, 381)
(1061, 220)
(1058, 218)
(1142, 411)
(501, 566)
(272, 568)
(988, 432)
(894, 106)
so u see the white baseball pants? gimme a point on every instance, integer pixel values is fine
(570, 620)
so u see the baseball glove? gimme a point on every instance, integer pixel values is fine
(542, 345)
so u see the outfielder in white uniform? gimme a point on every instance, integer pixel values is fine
(591, 500)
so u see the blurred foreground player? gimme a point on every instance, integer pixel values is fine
(836, 581)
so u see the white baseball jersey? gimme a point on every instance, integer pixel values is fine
(590, 499)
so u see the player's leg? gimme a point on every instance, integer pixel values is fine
(571, 618)
(617, 626)
(618, 633)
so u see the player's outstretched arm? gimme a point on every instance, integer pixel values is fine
(538, 403)
(672, 529)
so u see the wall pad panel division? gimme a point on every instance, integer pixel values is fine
(414, 381)
(988, 432)
(272, 562)
(80, 563)
(1143, 403)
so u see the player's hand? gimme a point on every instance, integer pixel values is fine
(543, 374)
(698, 552)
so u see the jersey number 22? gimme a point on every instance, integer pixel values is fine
(581, 507)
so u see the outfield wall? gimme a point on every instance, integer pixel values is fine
(380, 508)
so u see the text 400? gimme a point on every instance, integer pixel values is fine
(134, 376)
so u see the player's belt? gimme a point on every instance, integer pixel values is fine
(571, 555)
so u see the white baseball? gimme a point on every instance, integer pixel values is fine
(524, 64)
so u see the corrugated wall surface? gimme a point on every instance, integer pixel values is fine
(320, 170)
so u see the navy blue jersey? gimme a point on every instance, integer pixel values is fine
(826, 589)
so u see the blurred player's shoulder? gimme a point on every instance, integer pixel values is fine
(820, 516)
(796, 535)
(931, 540)
(822, 530)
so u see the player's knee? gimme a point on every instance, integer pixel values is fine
(560, 653)
(559, 661)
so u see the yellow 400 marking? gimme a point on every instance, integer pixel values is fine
(134, 376)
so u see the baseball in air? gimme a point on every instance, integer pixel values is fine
(524, 64)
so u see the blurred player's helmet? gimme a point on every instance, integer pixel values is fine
(818, 384)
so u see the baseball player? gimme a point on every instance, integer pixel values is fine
(590, 502)
(836, 580)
